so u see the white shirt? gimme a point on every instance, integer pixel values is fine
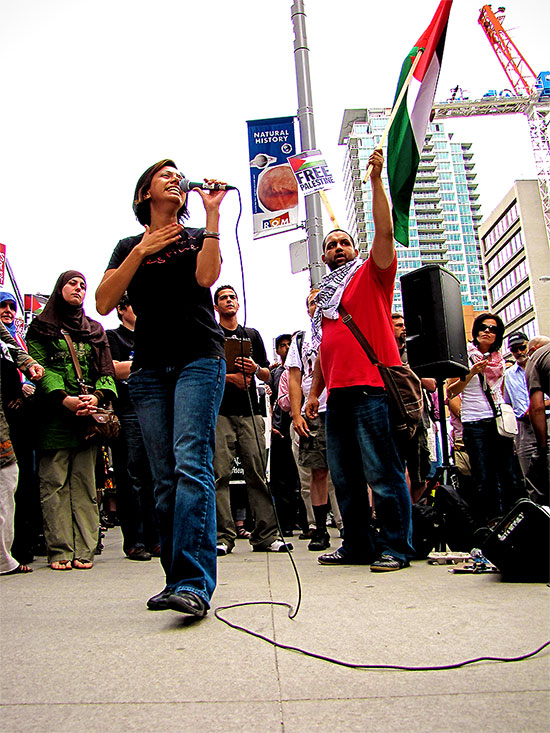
(306, 365)
(475, 405)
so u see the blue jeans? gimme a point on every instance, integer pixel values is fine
(177, 409)
(361, 451)
(493, 470)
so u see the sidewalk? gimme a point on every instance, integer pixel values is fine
(80, 652)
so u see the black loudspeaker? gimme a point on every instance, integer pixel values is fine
(518, 544)
(436, 343)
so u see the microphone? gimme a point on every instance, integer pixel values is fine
(186, 185)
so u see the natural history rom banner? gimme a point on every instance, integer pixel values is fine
(274, 187)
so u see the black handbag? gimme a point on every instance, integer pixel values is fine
(403, 387)
(103, 425)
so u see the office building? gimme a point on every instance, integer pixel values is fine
(516, 257)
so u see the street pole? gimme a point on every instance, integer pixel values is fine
(314, 219)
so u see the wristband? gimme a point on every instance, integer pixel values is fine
(212, 235)
(257, 370)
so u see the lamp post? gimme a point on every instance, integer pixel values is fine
(314, 219)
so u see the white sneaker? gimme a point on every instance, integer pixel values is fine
(222, 549)
(275, 546)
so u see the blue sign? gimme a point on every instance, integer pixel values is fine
(274, 186)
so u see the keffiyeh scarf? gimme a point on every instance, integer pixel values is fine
(330, 294)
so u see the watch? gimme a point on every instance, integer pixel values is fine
(258, 367)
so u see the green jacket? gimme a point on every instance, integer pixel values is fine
(59, 427)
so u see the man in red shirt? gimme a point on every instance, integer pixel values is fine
(360, 446)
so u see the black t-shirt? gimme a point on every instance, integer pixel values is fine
(235, 400)
(121, 342)
(175, 317)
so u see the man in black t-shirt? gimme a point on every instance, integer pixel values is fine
(240, 430)
(134, 485)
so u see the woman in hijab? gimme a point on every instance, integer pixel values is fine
(67, 461)
(491, 455)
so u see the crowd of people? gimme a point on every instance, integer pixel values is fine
(190, 407)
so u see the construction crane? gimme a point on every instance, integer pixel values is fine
(531, 97)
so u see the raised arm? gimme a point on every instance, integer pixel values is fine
(383, 249)
(209, 260)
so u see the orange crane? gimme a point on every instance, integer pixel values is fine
(520, 75)
(532, 99)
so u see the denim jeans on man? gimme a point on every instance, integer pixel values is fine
(361, 451)
(177, 409)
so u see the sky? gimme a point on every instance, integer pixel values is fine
(94, 93)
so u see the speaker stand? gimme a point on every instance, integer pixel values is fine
(443, 474)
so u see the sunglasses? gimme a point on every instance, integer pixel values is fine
(492, 329)
(513, 349)
(8, 304)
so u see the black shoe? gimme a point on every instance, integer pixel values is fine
(336, 558)
(386, 563)
(185, 601)
(288, 533)
(307, 534)
(154, 551)
(158, 602)
(320, 541)
(139, 553)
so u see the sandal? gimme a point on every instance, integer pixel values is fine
(19, 569)
(82, 564)
(242, 533)
(61, 565)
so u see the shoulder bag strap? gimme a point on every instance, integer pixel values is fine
(347, 318)
(485, 387)
(72, 351)
(487, 390)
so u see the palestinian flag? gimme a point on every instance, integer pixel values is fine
(407, 133)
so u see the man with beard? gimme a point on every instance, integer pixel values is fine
(360, 446)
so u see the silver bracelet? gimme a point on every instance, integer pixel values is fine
(212, 235)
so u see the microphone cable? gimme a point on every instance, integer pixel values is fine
(261, 450)
(293, 612)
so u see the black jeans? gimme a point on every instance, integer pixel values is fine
(134, 486)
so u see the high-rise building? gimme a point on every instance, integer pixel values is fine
(444, 214)
(516, 257)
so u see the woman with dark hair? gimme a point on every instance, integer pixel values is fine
(66, 460)
(491, 455)
(178, 373)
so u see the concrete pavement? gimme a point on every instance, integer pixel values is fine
(80, 652)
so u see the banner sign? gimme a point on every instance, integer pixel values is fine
(311, 172)
(2, 263)
(274, 187)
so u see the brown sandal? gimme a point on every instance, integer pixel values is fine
(61, 565)
(82, 564)
(19, 569)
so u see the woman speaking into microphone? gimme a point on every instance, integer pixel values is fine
(178, 373)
